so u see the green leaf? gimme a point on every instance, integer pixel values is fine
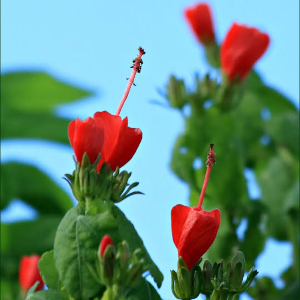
(127, 232)
(276, 181)
(48, 270)
(254, 239)
(284, 130)
(28, 100)
(25, 238)
(264, 289)
(291, 292)
(33, 187)
(76, 242)
(182, 162)
(275, 101)
(45, 295)
(10, 289)
(144, 291)
(32, 290)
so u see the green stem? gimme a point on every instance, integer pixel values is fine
(219, 295)
(230, 296)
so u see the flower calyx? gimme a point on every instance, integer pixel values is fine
(186, 284)
(214, 281)
(88, 184)
(118, 269)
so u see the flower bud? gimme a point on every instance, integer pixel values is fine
(176, 92)
(29, 273)
(105, 242)
(207, 272)
(237, 269)
(186, 284)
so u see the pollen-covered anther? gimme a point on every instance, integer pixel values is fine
(211, 157)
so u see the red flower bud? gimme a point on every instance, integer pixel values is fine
(121, 141)
(86, 136)
(242, 47)
(106, 134)
(29, 273)
(194, 231)
(106, 241)
(200, 20)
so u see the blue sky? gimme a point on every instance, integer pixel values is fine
(92, 43)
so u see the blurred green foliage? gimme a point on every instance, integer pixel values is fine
(28, 100)
(254, 128)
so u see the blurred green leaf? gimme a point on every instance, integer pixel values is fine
(182, 162)
(25, 238)
(254, 239)
(144, 290)
(27, 104)
(48, 270)
(272, 99)
(284, 130)
(10, 289)
(45, 295)
(33, 187)
(264, 289)
(128, 233)
(276, 180)
(292, 292)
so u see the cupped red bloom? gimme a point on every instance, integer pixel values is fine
(193, 231)
(105, 242)
(29, 273)
(120, 142)
(199, 18)
(86, 136)
(242, 47)
(106, 134)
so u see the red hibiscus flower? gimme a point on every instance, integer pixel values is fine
(120, 142)
(86, 136)
(106, 134)
(242, 47)
(200, 20)
(194, 229)
(29, 273)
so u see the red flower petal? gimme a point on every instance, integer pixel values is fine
(86, 136)
(242, 47)
(29, 273)
(179, 214)
(193, 232)
(200, 20)
(121, 141)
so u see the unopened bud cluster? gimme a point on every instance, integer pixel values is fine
(213, 281)
(118, 269)
(87, 183)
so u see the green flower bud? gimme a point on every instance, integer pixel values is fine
(186, 284)
(237, 270)
(176, 92)
(207, 271)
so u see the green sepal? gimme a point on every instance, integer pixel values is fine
(237, 270)
(176, 92)
(32, 290)
(212, 54)
(175, 285)
(207, 271)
